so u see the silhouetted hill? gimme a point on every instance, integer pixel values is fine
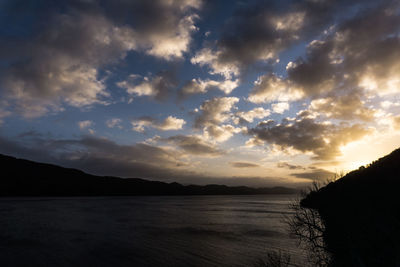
(362, 214)
(27, 178)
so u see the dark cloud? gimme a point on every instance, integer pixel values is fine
(289, 166)
(215, 111)
(104, 157)
(158, 86)
(307, 135)
(195, 145)
(96, 155)
(239, 164)
(315, 175)
(259, 30)
(349, 106)
(362, 51)
(64, 45)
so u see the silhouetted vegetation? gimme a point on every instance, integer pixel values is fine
(27, 178)
(355, 221)
(309, 228)
(275, 259)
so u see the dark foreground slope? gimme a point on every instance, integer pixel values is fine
(26, 178)
(361, 212)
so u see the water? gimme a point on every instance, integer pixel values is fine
(143, 231)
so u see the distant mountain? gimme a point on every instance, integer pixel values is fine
(27, 178)
(362, 214)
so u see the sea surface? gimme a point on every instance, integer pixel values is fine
(144, 231)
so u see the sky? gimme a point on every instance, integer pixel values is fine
(257, 93)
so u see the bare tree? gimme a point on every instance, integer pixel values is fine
(306, 224)
(275, 259)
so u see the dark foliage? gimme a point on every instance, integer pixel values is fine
(275, 259)
(27, 178)
(361, 214)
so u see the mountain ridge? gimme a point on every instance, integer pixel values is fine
(28, 178)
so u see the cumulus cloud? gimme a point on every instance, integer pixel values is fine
(215, 111)
(221, 133)
(345, 69)
(269, 88)
(85, 124)
(194, 145)
(259, 32)
(361, 51)
(280, 107)
(198, 86)
(323, 140)
(170, 123)
(240, 164)
(59, 63)
(158, 86)
(243, 117)
(345, 107)
(114, 122)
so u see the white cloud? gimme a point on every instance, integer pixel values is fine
(157, 86)
(114, 122)
(170, 123)
(197, 86)
(269, 88)
(280, 107)
(210, 58)
(220, 133)
(215, 111)
(85, 124)
(249, 116)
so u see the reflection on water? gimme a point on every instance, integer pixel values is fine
(143, 231)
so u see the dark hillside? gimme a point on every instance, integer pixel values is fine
(361, 212)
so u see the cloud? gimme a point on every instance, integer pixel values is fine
(280, 107)
(104, 157)
(3, 114)
(215, 111)
(114, 122)
(269, 88)
(97, 155)
(158, 86)
(170, 123)
(289, 166)
(258, 32)
(221, 133)
(59, 63)
(396, 122)
(346, 107)
(321, 139)
(243, 117)
(194, 145)
(315, 175)
(85, 124)
(198, 86)
(361, 51)
(239, 164)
